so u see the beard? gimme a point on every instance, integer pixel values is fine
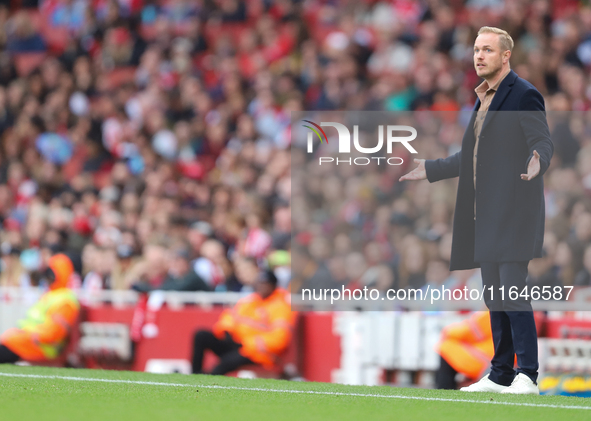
(489, 71)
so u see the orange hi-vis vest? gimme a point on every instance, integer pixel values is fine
(263, 327)
(43, 334)
(467, 346)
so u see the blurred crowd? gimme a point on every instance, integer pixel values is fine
(150, 139)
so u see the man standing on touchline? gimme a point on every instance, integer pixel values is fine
(499, 215)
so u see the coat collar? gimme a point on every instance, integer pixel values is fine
(504, 89)
(484, 87)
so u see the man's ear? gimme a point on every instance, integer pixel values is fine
(506, 56)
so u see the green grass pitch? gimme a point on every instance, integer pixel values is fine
(48, 394)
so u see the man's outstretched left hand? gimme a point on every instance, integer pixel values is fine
(533, 168)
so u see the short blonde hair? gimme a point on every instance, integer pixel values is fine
(505, 40)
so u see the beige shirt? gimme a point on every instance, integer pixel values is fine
(486, 95)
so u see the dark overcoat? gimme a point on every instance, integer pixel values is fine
(509, 222)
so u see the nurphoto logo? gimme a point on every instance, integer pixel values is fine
(344, 143)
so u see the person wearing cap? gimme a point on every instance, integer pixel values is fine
(43, 334)
(255, 331)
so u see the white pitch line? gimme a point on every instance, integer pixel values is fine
(305, 392)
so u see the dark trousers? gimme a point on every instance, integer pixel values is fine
(7, 356)
(512, 322)
(445, 378)
(226, 349)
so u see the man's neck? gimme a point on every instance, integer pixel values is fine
(494, 79)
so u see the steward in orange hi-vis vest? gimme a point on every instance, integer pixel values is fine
(43, 334)
(255, 331)
(262, 326)
(467, 347)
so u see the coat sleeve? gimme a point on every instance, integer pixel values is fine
(532, 117)
(439, 169)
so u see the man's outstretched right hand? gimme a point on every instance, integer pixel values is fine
(419, 173)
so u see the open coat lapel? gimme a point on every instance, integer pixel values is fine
(499, 98)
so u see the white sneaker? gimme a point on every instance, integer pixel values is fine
(484, 385)
(522, 385)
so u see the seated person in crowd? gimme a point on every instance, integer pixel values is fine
(255, 331)
(43, 334)
(180, 277)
